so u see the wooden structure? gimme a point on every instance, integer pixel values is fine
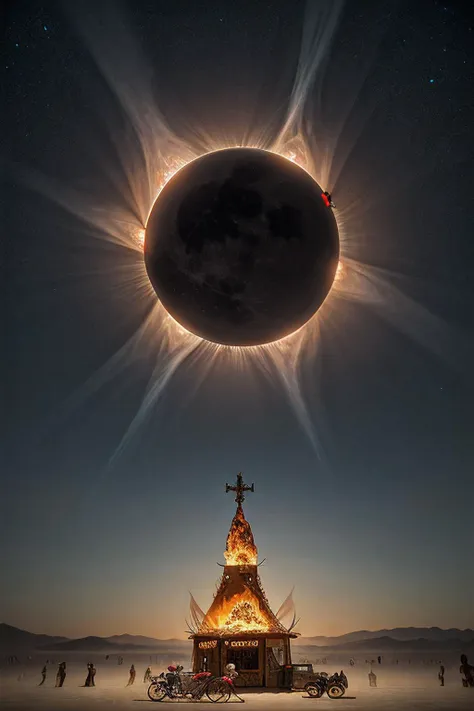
(239, 626)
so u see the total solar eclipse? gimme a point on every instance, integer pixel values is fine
(241, 247)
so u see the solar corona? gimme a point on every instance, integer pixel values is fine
(240, 248)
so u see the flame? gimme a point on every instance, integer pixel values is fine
(240, 547)
(242, 613)
(240, 604)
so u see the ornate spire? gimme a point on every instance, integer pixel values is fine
(240, 605)
(239, 489)
(240, 547)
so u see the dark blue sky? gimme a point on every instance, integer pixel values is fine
(377, 534)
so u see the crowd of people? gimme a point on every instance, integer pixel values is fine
(91, 672)
(466, 670)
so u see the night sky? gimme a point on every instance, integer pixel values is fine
(377, 531)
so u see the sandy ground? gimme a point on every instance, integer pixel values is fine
(413, 687)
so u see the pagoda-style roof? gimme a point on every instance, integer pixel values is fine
(240, 606)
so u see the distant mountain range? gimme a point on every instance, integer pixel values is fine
(402, 634)
(139, 640)
(120, 643)
(12, 639)
(16, 641)
(385, 644)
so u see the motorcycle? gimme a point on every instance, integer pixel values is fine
(335, 686)
(175, 685)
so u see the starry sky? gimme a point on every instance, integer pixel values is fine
(379, 532)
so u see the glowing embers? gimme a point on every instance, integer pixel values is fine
(240, 547)
(240, 605)
(242, 612)
(246, 616)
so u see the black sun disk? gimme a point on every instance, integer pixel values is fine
(240, 247)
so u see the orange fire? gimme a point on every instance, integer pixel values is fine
(240, 547)
(240, 604)
(241, 613)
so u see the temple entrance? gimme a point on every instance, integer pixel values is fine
(248, 657)
(244, 659)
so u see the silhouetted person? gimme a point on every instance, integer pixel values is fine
(147, 676)
(133, 674)
(379, 659)
(372, 679)
(43, 674)
(467, 670)
(90, 675)
(61, 675)
(441, 675)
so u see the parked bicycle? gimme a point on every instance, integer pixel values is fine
(174, 684)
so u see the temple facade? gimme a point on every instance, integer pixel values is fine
(239, 626)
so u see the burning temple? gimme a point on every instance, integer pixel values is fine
(239, 626)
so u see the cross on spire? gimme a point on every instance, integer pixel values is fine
(239, 489)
